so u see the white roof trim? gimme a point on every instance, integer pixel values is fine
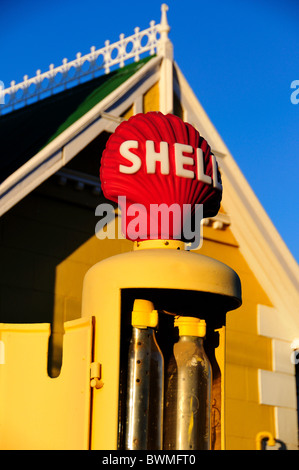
(62, 149)
(259, 241)
(35, 89)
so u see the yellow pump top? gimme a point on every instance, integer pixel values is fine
(144, 315)
(190, 326)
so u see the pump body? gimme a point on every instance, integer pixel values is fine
(175, 280)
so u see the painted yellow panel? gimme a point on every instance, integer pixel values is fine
(151, 99)
(248, 419)
(248, 349)
(36, 411)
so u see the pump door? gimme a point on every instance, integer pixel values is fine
(36, 411)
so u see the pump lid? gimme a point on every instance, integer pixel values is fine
(190, 326)
(144, 315)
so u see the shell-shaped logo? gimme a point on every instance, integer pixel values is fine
(155, 159)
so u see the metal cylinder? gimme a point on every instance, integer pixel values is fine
(188, 395)
(145, 390)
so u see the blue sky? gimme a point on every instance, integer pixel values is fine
(239, 57)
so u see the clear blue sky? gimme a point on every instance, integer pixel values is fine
(239, 57)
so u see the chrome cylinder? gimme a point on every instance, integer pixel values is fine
(188, 397)
(145, 390)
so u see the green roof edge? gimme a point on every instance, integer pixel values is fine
(114, 80)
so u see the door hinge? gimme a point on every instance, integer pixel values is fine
(96, 375)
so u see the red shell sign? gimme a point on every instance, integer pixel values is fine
(155, 159)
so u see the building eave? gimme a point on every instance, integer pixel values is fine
(66, 145)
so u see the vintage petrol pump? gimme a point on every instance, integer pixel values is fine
(160, 310)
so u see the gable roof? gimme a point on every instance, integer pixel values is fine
(40, 123)
(98, 105)
(61, 139)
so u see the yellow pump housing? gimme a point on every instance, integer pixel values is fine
(176, 281)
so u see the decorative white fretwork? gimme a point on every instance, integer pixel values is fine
(85, 67)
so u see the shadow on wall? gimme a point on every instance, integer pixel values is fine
(37, 235)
